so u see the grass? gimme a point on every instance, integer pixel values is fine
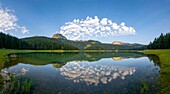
(144, 87)
(164, 56)
(27, 85)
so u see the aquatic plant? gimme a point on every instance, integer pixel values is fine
(27, 85)
(16, 85)
(1, 92)
(144, 88)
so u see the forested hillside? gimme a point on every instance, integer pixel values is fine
(41, 43)
(162, 42)
(59, 42)
(80, 44)
(10, 42)
(33, 43)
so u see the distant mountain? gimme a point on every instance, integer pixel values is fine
(63, 42)
(59, 42)
(123, 43)
(118, 43)
(58, 36)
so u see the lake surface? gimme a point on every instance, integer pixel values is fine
(86, 73)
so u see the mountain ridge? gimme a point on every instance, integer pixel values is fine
(83, 44)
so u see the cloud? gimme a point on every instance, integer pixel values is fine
(8, 21)
(94, 28)
(24, 29)
(104, 21)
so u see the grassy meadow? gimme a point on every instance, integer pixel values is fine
(164, 56)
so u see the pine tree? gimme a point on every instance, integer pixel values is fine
(162, 42)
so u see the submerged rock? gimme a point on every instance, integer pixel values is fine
(13, 56)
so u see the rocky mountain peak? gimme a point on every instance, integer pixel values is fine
(118, 43)
(59, 36)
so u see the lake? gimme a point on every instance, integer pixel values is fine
(84, 73)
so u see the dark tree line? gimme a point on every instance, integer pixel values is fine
(162, 42)
(46, 44)
(10, 42)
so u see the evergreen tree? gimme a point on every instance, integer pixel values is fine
(9, 42)
(162, 42)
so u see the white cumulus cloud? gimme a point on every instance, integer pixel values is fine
(94, 28)
(24, 29)
(8, 21)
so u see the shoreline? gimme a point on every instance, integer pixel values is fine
(164, 78)
(10, 51)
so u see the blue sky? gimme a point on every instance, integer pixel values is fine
(149, 18)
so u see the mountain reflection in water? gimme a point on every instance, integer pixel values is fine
(118, 58)
(94, 74)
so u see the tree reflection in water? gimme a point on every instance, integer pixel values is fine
(94, 74)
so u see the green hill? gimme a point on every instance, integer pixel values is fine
(82, 45)
(45, 43)
(59, 42)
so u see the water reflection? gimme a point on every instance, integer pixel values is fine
(63, 58)
(83, 73)
(118, 58)
(94, 74)
(15, 72)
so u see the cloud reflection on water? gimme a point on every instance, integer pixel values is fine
(15, 72)
(94, 74)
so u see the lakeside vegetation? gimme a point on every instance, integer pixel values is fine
(162, 42)
(165, 68)
(11, 84)
(161, 47)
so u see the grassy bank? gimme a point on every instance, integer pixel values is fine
(164, 56)
(5, 52)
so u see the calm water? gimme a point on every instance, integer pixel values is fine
(86, 73)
